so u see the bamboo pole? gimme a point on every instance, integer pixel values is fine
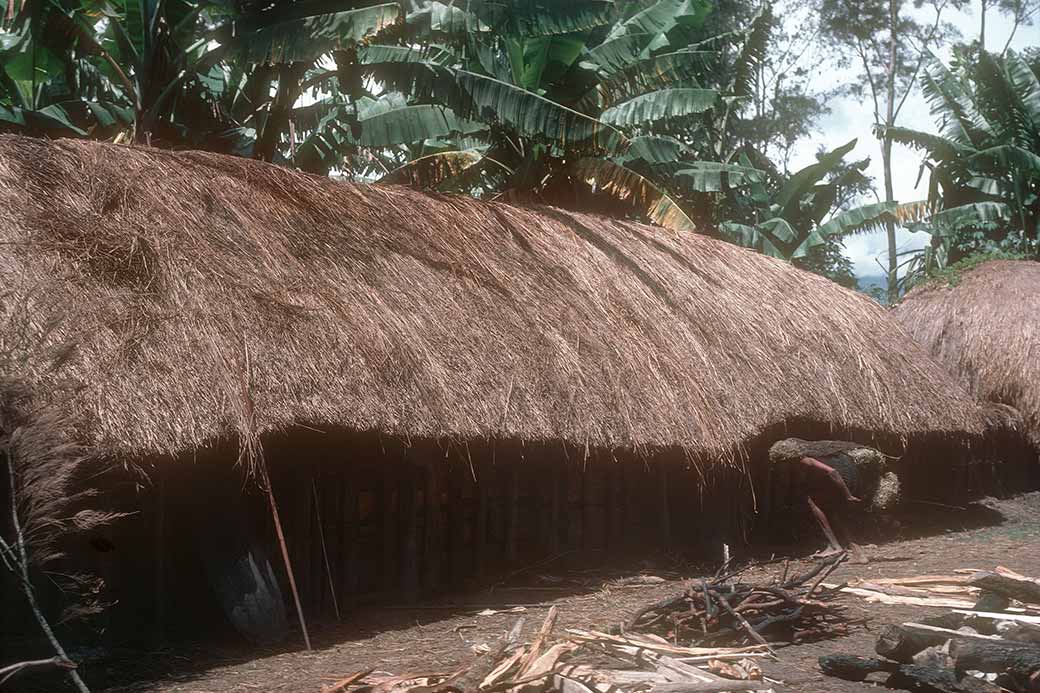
(285, 557)
(324, 549)
(160, 554)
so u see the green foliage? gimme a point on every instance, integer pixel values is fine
(984, 183)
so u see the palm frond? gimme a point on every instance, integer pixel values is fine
(410, 124)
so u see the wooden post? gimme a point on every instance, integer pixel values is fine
(513, 519)
(285, 557)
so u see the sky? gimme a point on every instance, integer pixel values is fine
(850, 118)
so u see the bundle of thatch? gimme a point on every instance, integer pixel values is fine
(985, 328)
(195, 296)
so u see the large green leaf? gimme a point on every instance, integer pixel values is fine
(541, 17)
(621, 52)
(428, 172)
(952, 104)
(675, 69)
(279, 40)
(710, 176)
(663, 16)
(664, 104)
(860, 220)
(474, 96)
(981, 215)
(802, 182)
(375, 54)
(409, 124)
(657, 149)
(607, 177)
(749, 237)
(752, 52)
(1024, 163)
(936, 146)
(1027, 87)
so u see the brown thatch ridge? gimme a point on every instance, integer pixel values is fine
(985, 328)
(195, 296)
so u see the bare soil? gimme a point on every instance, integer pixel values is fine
(441, 635)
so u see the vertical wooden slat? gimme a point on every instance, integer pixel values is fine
(409, 516)
(350, 534)
(557, 478)
(664, 509)
(434, 536)
(160, 553)
(457, 517)
(480, 537)
(615, 508)
(389, 525)
(513, 511)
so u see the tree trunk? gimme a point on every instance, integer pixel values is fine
(289, 77)
(886, 147)
(982, 27)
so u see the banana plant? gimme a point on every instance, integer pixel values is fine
(792, 217)
(984, 164)
(573, 118)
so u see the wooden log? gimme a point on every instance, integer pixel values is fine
(996, 656)
(854, 668)
(914, 677)
(1017, 587)
(903, 642)
(904, 676)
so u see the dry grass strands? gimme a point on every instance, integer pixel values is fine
(215, 297)
(985, 330)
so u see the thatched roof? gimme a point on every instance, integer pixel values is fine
(985, 327)
(208, 296)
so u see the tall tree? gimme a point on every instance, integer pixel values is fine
(887, 44)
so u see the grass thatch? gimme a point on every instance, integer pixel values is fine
(985, 327)
(216, 296)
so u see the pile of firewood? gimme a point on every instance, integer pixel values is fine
(989, 643)
(707, 639)
(580, 662)
(725, 611)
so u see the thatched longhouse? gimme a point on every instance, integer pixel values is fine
(434, 382)
(985, 328)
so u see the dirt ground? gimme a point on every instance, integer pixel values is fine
(438, 636)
